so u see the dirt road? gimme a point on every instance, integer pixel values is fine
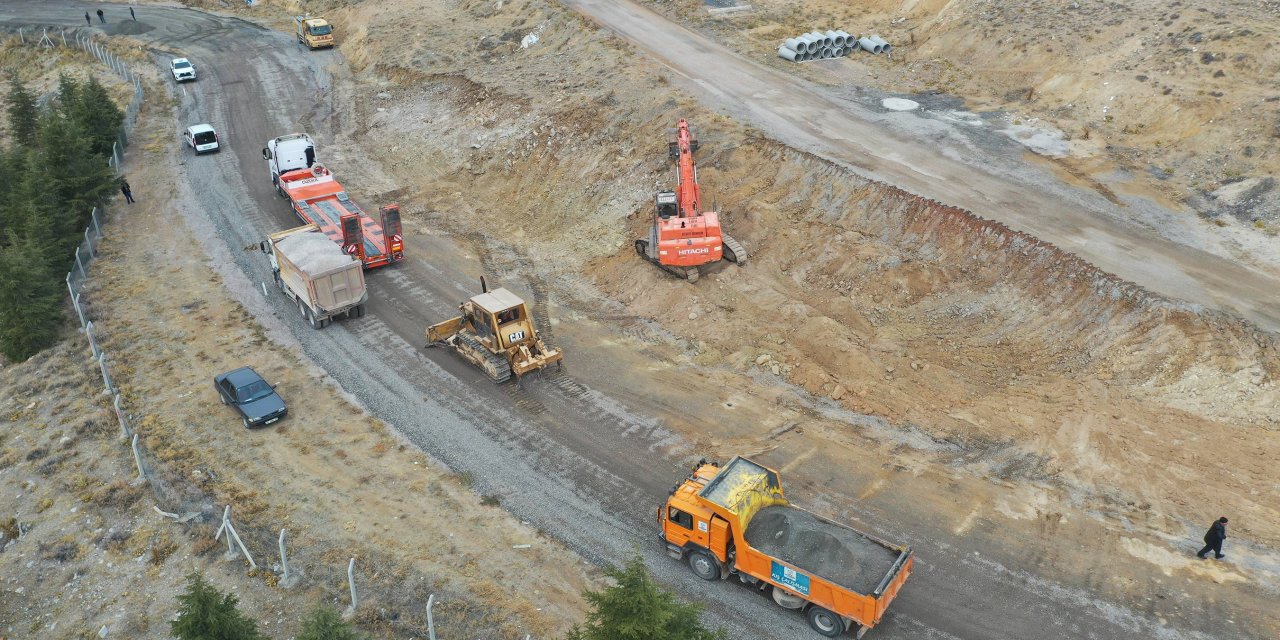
(586, 455)
(1140, 241)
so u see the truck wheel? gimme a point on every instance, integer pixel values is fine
(245, 421)
(825, 622)
(704, 565)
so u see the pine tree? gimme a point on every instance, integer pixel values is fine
(23, 115)
(323, 623)
(98, 116)
(68, 93)
(636, 608)
(30, 301)
(68, 179)
(13, 172)
(204, 613)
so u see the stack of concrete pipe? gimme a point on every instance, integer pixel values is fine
(819, 45)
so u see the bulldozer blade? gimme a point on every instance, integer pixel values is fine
(444, 330)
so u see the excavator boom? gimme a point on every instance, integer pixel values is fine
(687, 173)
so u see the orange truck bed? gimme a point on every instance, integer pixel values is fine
(318, 198)
(735, 520)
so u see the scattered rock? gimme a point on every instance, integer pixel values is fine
(763, 359)
(838, 392)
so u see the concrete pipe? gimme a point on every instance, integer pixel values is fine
(836, 39)
(838, 52)
(869, 45)
(796, 44)
(849, 40)
(884, 46)
(788, 53)
(828, 53)
(820, 38)
(811, 44)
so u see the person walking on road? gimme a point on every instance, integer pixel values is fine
(88, 19)
(102, 17)
(1213, 538)
(132, 14)
(128, 193)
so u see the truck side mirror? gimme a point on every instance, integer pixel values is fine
(266, 153)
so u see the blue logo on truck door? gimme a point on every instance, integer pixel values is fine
(790, 578)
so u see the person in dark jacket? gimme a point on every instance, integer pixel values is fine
(88, 19)
(128, 193)
(102, 17)
(1213, 538)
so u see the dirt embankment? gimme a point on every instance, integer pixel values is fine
(857, 291)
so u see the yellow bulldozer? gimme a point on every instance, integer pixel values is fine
(496, 333)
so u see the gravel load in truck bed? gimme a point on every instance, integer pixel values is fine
(838, 554)
(313, 253)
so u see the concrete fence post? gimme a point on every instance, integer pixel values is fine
(106, 378)
(97, 225)
(137, 459)
(351, 580)
(75, 302)
(88, 241)
(431, 623)
(124, 424)
(93, 344)
(83, 273)
(226, 528)
(286, 580)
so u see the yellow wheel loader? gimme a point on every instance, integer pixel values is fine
(496, 333)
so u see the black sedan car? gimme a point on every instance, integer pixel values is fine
(257, 401)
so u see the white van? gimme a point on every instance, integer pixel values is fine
(201, 137)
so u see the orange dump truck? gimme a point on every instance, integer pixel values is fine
(735, 521)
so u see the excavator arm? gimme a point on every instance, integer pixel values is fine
(687, 189)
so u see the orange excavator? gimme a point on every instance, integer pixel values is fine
(683, 237)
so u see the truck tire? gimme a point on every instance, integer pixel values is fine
(704, 565)
(825, 622)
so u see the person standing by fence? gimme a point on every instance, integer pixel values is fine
(102, 17)
(128, 193)
(88, 19)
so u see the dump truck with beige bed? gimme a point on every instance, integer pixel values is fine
(317, 274)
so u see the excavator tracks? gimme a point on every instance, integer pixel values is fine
(733, 250)
(685, 273)
(494, 365)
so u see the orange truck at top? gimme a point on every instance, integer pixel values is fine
(683, 237)
(735, 520)
(318, 198)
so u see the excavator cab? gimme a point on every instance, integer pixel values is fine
(667, 206)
